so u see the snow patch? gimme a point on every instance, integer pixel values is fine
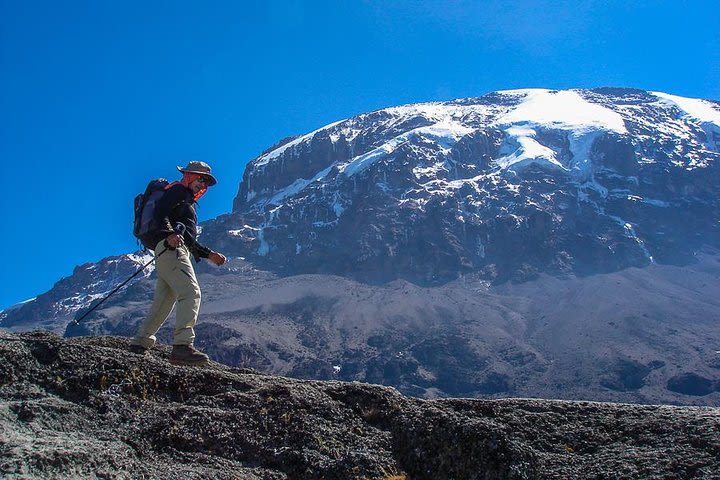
(268, 157)
(693, 107)
(565, 110)
(16, 306)
(445, 133)
(338, 207)
(296, 187)
(546, 109)
(264, 247)
(630, 233)
(580, 144)
(521, 147)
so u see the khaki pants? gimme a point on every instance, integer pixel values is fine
(176, 282)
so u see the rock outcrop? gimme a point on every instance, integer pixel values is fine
(88, 408)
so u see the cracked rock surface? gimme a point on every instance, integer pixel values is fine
(88, 408)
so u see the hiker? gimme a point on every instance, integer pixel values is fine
(176, 281)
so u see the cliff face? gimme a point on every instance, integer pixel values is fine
(510, 184)
(89, 408)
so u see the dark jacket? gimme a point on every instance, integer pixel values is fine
(177, 205)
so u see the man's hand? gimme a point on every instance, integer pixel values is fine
(174, 240)
(217, 258)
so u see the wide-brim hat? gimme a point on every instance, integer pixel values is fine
(202, 168)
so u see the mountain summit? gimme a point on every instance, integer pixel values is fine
(509, 184)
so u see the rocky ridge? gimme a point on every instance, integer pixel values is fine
(87, 408)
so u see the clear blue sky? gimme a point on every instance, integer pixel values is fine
(97, 97)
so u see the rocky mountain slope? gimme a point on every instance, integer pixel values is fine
(644, 335)
(87, 408)
(88, 284)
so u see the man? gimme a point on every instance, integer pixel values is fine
(176, 281)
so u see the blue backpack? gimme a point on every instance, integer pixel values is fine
(145, 203)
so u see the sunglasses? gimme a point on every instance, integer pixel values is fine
(204, 180)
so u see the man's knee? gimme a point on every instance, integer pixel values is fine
(191, 291)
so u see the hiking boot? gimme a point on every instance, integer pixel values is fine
(139, 349)
(187, 355)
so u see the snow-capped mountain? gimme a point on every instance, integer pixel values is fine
(512, 184)
(559, 244)
(88, 283)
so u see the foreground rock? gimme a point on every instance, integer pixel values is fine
(87, 408)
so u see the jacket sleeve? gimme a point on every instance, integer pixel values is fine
(199, 251)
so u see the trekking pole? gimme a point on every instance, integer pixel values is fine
(179, 229)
